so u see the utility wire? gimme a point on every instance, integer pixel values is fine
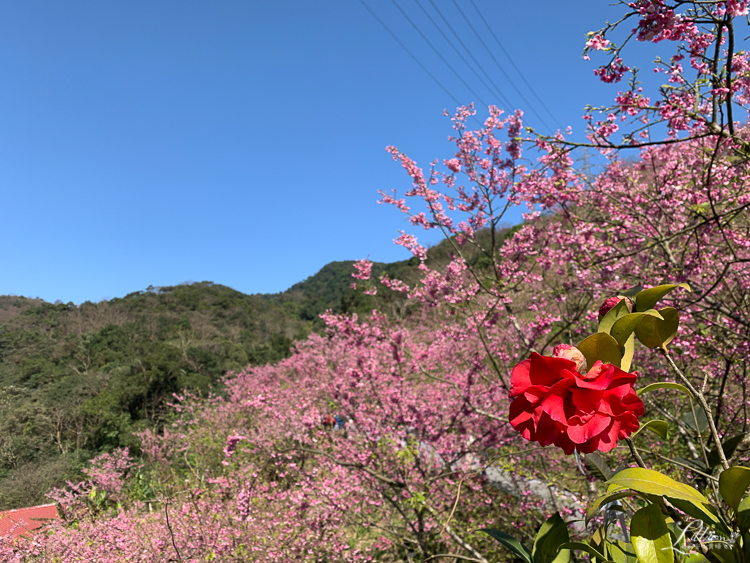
(438, 53)
(463, 59)
(511, 61)
(409, 52)
(473, 58)
(500, 66)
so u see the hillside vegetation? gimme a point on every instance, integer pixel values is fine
(79, 380)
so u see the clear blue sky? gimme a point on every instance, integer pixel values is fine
(242, 142)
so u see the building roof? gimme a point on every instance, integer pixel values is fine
(20, 522)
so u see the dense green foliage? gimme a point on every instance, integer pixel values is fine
(79, 380)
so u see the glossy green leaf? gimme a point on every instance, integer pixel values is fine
(696, 557)
(743, 518)
(580, 546)
(664, 385)
(696, 464)
(733, 484)
(705, 513)
(658, 500)
(598, 540)
(650, 536)
(655, 483)
(622, 552)
(600, 346)
(657, 333)
(510, 542)
(615, 313)
(647, 298)
(659, 427)
(725, 554)
(729, 446)
(633, 291)
(628, 350)
(625, 326)
(550, 537)
(597, 466)
(677, 536)
(700, 414)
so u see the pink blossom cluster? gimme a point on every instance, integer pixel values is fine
(597, 42)
(736, 8)
(659, 22)
(612, 72)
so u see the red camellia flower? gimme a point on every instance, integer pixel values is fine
(555, 404)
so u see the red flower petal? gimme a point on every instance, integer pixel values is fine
(519, 378)
(562, 441)
(595, 426)
(535, 393)
(586, 400)
(607, 440)
(558, 403)
(547, 431)
(521, 417)
(634, 404)
(547, 371)
(599, 377)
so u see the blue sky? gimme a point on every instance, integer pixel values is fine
(242, 142)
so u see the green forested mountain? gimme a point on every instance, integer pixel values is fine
(78, 380)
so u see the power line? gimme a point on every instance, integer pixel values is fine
(463, 59)
(438, 52)
(500, 66)
(473, 58)
(404, 47)
(511, 61)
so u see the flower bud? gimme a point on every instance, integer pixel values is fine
(610, 303)
(571, 353)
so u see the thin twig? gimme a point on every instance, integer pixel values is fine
(171, 534)
(462, 557)
(685, 465)
(703, 445)
(702, 400)
(455, 504)
(456, 538)
(634, 451)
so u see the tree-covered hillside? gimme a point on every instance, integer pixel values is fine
(78, 380)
